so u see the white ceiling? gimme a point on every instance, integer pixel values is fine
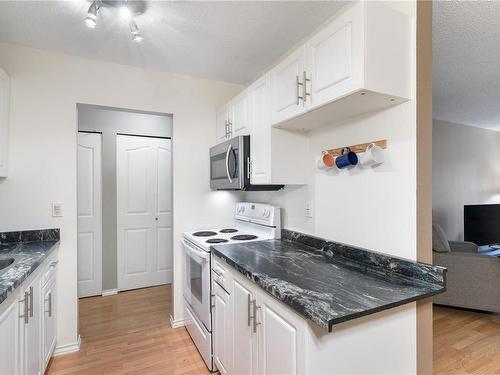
(228, 41)
(466, 58)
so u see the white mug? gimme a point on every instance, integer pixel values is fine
(372, 156)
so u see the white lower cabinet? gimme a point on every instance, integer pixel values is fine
(222, 324)
(28, 323)
(261, 336)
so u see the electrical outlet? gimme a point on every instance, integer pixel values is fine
(309, 209)
(56, 209)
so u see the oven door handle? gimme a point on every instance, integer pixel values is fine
(229, 148)
(199, 253)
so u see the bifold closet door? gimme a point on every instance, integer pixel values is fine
(144, 211)
(89, 215)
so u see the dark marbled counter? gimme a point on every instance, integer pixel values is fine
(329, 282)
(29, 249)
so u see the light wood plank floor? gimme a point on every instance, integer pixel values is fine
(130, 333)
(466, 342)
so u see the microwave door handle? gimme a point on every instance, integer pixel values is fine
(227, 164)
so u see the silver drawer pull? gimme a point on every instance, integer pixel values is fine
(49, 300)
(31, 302)
(25, 314)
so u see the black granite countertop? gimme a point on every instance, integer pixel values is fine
(329, 282)
(28, 256)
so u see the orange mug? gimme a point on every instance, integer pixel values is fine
(326, 160)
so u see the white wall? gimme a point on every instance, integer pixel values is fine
(465, 170)
(45, 88)
(373, 208)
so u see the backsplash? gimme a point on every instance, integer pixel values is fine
(30, 236)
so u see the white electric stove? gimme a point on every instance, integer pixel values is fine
(253, 222)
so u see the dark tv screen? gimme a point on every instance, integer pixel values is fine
(482, 224)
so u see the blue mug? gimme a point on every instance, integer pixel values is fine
(346, 159)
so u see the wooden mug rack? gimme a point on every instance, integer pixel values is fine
(357, 148)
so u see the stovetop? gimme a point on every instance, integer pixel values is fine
(253, 222)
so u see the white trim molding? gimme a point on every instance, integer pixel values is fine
(176, 323)
(109, 292)
(68, 348)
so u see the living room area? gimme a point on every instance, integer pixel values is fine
(466, 186)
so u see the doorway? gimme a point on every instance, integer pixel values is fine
(124, 200)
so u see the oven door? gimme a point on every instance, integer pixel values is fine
(197, 281)
(227, 165)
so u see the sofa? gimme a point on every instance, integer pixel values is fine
(473, 280)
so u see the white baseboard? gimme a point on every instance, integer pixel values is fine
(68, 348)
(109, 292)
(178, 322)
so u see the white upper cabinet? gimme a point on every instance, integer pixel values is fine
(238, 121)
(4, 122)
(233, 118)
(334, 59)
(287, 90)
(358, 63)
(222, 131)
(260, 140)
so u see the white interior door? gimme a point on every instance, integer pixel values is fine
(144, 211)
(89, 215)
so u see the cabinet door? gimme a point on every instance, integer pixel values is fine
(334, 58)
(239, 119)
(4, 122)
(32, 349)
(245, 357)
(222, 329)
(260, 140)
(281, 338)
(48, 319)
(9, 339)
(285, 90)
(222, 120)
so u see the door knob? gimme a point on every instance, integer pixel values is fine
(156, 218)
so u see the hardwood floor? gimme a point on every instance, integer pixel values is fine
(130, 333)
(466, 342)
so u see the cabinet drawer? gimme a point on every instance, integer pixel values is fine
(49, 270)
(221, 274)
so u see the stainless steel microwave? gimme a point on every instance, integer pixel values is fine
(230, 166)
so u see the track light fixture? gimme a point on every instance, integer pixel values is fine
(134, 30)
(125, 12)
(91, 19)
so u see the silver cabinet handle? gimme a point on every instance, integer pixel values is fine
(230, 124)
(49, 300)
(226, 124)
(227, 163)
(25, 314)
(31, 302)
(255, 323)
(248, 310)
(298, 84)
(306, 94)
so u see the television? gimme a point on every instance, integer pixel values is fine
(482, 224)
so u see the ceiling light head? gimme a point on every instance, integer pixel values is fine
(125, 12)
(134, 30)
(137, 38)
(91, 19)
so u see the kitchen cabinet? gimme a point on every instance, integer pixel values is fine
(253, 333)
(30, 327)
(4, 122)
(358, 63)
(287, 90)
(223, 115)
(245, 358)
(28, 323)
(9, 338)
(232, 118)
(281, 338)
(48, 316)
(222, 323)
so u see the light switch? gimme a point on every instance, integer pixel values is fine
(309, 209)
(56, 209)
